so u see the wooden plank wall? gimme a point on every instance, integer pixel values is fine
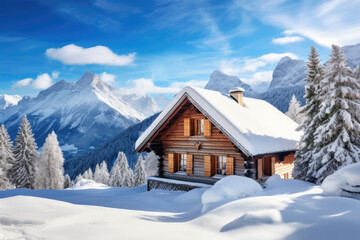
(172, 140)
(286, 166)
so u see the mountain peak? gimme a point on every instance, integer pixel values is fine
(222, 82)
(9, 100)
(288, 72)
(284, 59)
(88, 79)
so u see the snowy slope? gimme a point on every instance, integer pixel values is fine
(85, 113)
(221, 82)
(288, 209)
(9, 100)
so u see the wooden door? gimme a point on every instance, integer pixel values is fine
(266, 164)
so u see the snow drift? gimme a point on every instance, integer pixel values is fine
(229, 188)
(344, 182)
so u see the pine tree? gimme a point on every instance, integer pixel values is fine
(88, 174)
(151, 164)
(294, 111)
(67, 181)
(78, 178)
(121, 174)
(6, 158)
(140, 176)
(22, 173)
(337, 138)
(49, 167)
(315, 74)
(101, 174)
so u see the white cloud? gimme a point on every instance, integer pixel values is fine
(55, 74)
(108, 78)
(42, 81)
(236, 65)
(287, 39)
(325, 22)
(22, 83)
(144, 86)
(75, 55)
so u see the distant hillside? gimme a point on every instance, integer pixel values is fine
(124, 142)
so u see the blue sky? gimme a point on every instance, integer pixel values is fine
(160, 46)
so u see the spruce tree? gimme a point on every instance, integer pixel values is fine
(67, 181)
(140, 176)
(49, 167)
(88, 174)
(294, 111)
(121, 174)
(101, 174)
(6, 158)
(78, 178)
(22, 173)
(337, 138)
(315, 73)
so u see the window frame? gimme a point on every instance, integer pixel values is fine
(222, 169)
(195, 122)
(182, 166)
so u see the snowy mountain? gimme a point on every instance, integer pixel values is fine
(352, 52)
(162, 101)
(83, 114)
(288, 79)
(9, 100)
(221, 82)
(288, 73)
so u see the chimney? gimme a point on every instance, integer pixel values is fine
(237, 93)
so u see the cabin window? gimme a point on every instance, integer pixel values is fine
(182, 162)
(199, 127)
(221, 165)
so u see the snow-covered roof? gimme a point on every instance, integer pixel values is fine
(257, 128)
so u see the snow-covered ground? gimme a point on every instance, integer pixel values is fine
(287, 209)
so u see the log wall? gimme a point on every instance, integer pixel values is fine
(174, 139)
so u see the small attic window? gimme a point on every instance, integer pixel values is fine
(199, 127)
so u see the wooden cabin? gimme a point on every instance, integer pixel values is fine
(203, 135)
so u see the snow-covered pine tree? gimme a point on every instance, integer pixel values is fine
(101, 174)
(337, 138)
(78, 178)
(6, 158)
(139, 174)
(49, 167)
(67, 181)
(88, 174)
(121, 174)
(25, 154)
(294, 111)
(151, 164)
(315, 73)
